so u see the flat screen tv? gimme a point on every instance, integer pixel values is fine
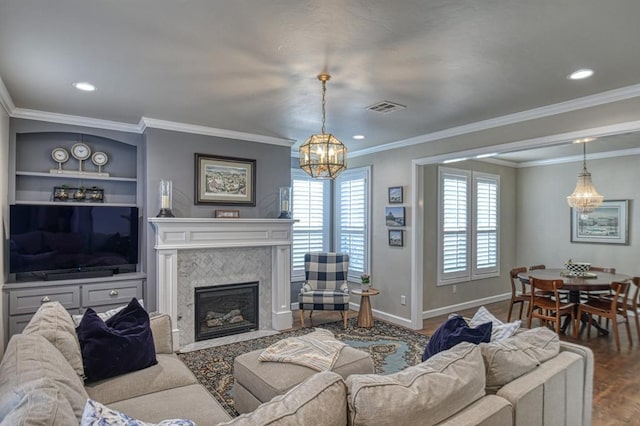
(45, 240)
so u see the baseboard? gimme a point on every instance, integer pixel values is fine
(393, 319)
(466, 305)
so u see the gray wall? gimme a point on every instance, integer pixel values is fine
(4, 209)
(544, 226)
(171, 155)
(435, 296)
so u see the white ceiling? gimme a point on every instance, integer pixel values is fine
(251, 65)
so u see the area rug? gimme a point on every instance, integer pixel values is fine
(392, 349)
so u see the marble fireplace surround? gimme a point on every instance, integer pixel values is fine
(176, 234)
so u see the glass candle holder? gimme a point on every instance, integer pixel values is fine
(285, 202)
(166, 190)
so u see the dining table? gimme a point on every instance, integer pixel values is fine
(575, 285)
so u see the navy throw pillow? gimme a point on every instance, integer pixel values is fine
(122, 344)
(453, 331)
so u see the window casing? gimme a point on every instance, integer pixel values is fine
(352, 198)
(468, 225)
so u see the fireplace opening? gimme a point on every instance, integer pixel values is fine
(224, 310)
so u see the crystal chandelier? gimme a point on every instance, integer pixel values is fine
(585, 198)
(323, 156)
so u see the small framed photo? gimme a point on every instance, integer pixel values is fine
(395, 195)
(226, 214)
(394, 216)
(607, 224)
(225, 180)
(395, 238)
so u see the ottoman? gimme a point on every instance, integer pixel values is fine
(256, 382)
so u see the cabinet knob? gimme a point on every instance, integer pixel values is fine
(113, 293)
(45, 299)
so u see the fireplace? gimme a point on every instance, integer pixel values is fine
(223, 310)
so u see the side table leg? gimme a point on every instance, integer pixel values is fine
(365, 317)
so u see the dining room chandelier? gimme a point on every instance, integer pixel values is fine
(585, 198)
(323, 156)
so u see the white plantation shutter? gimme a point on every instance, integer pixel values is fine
(352, 219)
(453, 224)
(310, 206)
(486, 223)
(468, 243)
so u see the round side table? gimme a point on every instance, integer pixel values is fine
(365, 317)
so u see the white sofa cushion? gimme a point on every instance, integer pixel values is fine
(54, 323)
(321, 399)
(509, 359)
(32, 357)
(424, 394)
(38, 402)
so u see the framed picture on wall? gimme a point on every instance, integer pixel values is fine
(395, 195)
(395, 238)
(394, 216)
(225, 180)
(607, 224)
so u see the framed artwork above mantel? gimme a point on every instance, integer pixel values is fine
(225, 180)
(607, 224)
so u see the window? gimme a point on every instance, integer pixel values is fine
(468, 225)
(311, 207)
(352, 219)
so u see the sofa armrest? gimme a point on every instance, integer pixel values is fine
(587, 354)
(161, 329)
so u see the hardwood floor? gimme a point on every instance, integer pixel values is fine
(616, 387)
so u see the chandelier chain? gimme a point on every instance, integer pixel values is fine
(324, 91)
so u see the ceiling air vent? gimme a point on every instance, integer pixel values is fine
(385, 107)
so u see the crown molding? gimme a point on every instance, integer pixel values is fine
(613, 129)
(75, 120)
(578, 158)
(602, 98)
(212, 131)
(5, 99)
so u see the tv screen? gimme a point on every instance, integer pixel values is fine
(67, 238)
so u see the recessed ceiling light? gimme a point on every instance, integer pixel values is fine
(84, 86)
(491, 154)
(580, 74)
(358, 137)
(584, 140)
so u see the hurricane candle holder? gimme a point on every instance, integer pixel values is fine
(285, 202)
(166, 189)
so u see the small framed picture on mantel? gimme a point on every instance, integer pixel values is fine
(226, 214)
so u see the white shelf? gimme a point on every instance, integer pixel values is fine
(70, 176)
(73, 203)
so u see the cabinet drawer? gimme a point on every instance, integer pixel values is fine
(118, 292)
(28, 301)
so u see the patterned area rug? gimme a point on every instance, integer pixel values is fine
(392, 348)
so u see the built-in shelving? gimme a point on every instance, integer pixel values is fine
(74, 176)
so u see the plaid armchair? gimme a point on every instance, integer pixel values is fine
(325, 288)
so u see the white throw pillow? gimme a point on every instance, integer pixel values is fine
(104, 316)
(500, 330)
(96, 414)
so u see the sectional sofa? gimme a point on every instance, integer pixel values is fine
(529, 379)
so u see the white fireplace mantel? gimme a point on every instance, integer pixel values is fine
(173, 234)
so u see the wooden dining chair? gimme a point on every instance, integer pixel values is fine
(545, 303)
(534, 267)
(610, 309)
(597, 293)
(521, 296)
(634, 303)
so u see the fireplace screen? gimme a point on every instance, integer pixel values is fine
(226, 309)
